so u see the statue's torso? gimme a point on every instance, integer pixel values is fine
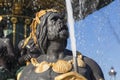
(50, 73)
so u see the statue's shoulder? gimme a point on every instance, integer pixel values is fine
(89, 61)
(94, 66)
(82, 60)
(69, 52)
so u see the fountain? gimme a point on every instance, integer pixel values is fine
(82, 11)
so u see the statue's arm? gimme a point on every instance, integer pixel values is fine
(96, 70)
(23, 52)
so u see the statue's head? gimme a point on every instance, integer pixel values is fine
(52, 27)
(48, 25)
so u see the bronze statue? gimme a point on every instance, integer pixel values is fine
(7, 56)
(55, 61)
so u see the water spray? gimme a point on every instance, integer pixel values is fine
(72, 36)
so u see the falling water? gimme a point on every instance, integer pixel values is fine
(82, 13)
(71, 26)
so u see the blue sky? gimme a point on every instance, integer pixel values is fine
(98, 37)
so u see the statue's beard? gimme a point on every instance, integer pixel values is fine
(59, 34)
(63, 34)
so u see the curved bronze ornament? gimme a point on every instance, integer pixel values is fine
(43, 66)
(80, 62)
(62, 66)
(70, 76)
(40, 67)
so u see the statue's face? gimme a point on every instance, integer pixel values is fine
(56, 27)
